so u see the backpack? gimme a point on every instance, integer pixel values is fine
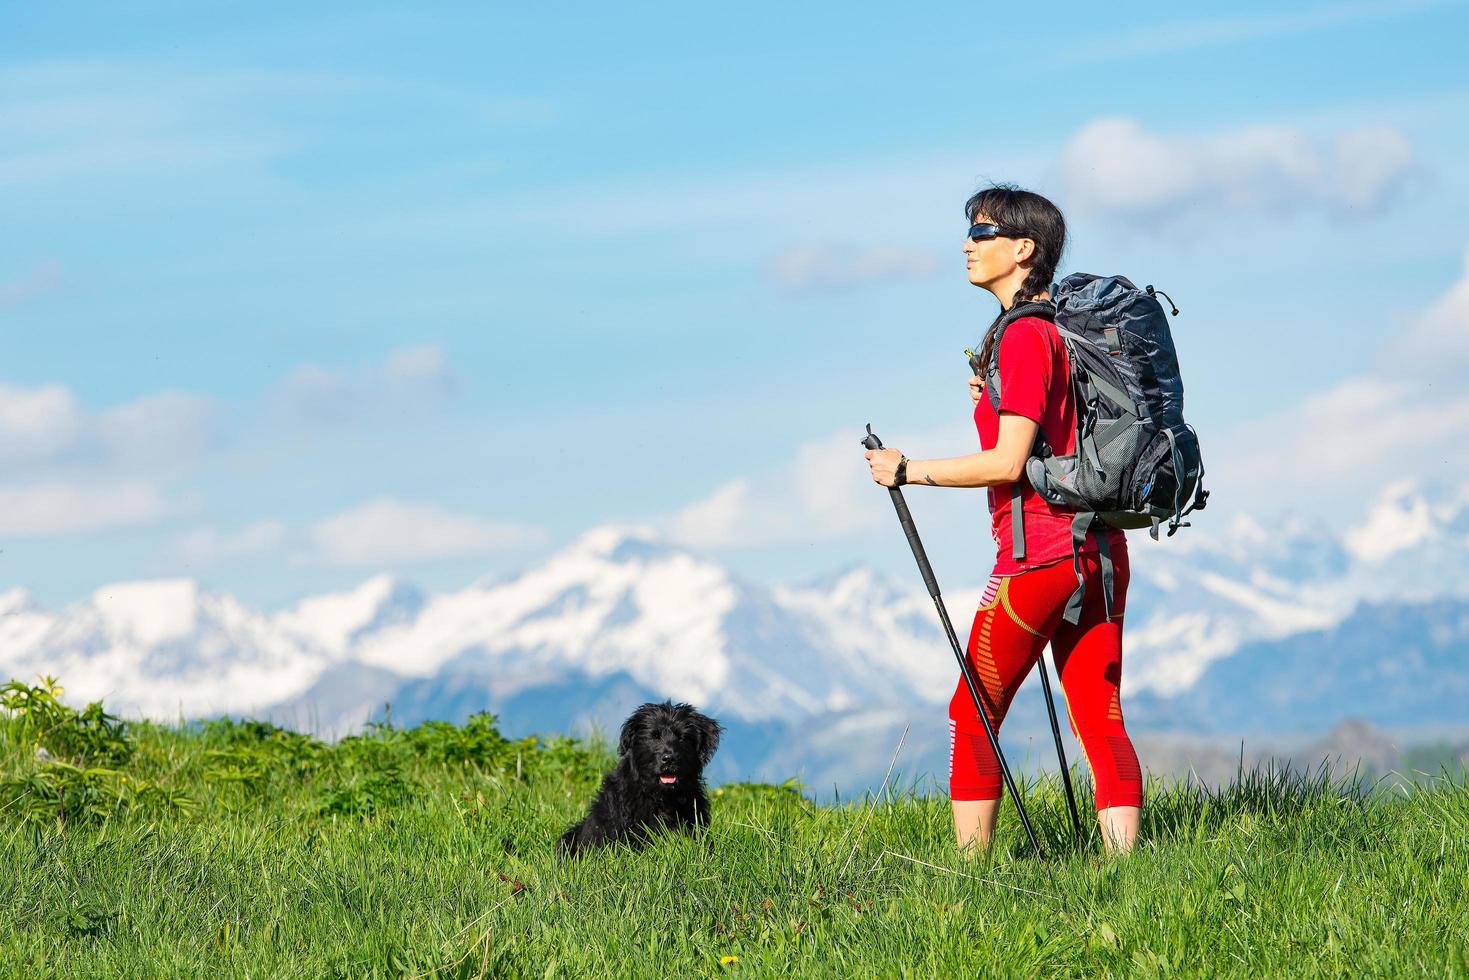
(1137, 462)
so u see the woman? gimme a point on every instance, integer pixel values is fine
(1016, 240)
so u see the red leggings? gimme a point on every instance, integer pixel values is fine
(1015, 619)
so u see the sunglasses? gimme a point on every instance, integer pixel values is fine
(980, 233)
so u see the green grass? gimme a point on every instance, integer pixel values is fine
(237, 849)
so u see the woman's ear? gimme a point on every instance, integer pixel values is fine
(1024, 250)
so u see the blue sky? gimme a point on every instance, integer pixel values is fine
(292, 298)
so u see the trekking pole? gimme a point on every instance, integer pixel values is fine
(905, 518)
(1040, 663)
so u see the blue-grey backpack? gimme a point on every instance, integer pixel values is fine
(1137, 462)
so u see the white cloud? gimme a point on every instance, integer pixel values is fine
(74, 470)
(1365, 432)
(1370, 163)
(47, 510)
(38, 423)
(47, 425)
(163, 428)
(1115, 167)
(390, 531)
(209, 546)
(40, 280)
(409, 377)
(1400, 519)
(824, 492)
(838, 266)
(1170, 38)
(1436, 346)
(718, 521)
(419, 369)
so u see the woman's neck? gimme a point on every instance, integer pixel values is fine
(1005, 289)
(1044, 295)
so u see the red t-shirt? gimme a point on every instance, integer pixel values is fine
(1034, 375)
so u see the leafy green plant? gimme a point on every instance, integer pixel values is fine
(364, 795)
(36, 717)
(786, 792)
(477, 742)
(61, 793)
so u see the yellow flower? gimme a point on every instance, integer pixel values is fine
(728, 960)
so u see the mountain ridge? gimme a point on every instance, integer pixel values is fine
(623, 609)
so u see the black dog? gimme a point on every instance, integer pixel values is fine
(658, 783)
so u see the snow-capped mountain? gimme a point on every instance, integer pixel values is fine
(620, 601)
(1263, 627)
(1202, 599)
(158, 648)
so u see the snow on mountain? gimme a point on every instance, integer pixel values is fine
(886, 631)
(336, 621)
(1396, 663)
(158, 648)
(622, 600)
(621, 609)
(1401, 519)
(1197, 600)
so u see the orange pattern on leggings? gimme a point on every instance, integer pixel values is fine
(984, 663)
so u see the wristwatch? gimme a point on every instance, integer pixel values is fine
(901, 475)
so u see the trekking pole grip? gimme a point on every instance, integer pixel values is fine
(905, 518)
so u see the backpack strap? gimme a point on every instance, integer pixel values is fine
(1088, 387)
(1104, 557)
(1179, 510)
(1200, 496)
(1081, 526)
(1045, 311)
(1017, 522)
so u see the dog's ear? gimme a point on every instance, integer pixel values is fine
(706, 736)
(630, 729)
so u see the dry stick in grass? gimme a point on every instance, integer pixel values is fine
(894, 761)
(750, 826)
(961, 874)
(472, 946)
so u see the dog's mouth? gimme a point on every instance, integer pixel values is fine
(667, 778)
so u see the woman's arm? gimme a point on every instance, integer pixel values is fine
(1002, 464)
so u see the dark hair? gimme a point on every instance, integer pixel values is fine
(1035, 218)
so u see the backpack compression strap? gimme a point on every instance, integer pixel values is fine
(1081, 525)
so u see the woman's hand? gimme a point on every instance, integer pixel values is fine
(884, 466)
(976, 388)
